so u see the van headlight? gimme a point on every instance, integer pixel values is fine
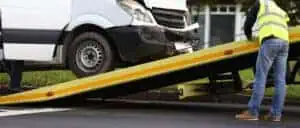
(136, 10)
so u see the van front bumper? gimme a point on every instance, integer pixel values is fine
(141, 42)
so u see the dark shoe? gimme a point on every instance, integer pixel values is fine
(246, 116)
(17, 90)
(272, 118)
(4, 92)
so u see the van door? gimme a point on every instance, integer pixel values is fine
(31, 28)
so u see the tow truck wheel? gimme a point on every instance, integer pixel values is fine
(90, 54)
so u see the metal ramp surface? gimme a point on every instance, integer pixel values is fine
(153, 75)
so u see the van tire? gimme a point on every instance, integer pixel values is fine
(82, 52)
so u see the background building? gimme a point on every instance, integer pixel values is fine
(222, 21)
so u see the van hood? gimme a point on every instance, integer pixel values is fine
(167, 4)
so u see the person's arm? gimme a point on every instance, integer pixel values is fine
(250, 20)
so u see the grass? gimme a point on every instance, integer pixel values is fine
(41, 78)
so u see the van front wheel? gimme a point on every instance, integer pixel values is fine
(90, 54)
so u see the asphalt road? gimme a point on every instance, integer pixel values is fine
(133, 115)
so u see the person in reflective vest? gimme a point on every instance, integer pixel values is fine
(273, 38)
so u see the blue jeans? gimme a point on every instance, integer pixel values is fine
(272, 52)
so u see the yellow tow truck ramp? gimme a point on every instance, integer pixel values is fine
(157, 74)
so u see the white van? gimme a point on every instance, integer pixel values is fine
(92, 36)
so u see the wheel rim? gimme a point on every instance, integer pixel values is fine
(90, 56)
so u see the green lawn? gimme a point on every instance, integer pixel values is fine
(41, 78)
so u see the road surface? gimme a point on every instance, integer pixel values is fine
(133, 115)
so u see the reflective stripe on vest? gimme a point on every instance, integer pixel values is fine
(273, 23)
(271, 14)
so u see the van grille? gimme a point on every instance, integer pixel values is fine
(169, 18)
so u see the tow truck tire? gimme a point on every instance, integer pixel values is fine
(90, 54)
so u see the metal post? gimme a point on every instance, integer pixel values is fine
(207, 26)
(238, 23)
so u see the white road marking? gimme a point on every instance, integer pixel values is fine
(8, 112)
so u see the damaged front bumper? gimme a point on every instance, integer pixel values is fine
(137, 42)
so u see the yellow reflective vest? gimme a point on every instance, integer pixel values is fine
(272, 20)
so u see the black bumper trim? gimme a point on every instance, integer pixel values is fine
(30, 36)
(136, 42)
